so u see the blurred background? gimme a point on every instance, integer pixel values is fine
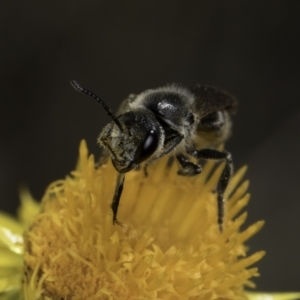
(249, 48)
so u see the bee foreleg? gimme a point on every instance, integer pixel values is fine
(188, 168)
(169, 145)
(211, 154)
(117, 195)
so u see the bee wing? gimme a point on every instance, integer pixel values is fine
(209, 99)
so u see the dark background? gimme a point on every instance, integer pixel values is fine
(250, 48)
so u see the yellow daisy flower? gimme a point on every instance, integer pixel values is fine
(169, 248)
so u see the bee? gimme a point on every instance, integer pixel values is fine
(188, 123)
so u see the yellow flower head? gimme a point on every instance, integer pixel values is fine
(169, 248)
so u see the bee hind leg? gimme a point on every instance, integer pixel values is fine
(212, 154)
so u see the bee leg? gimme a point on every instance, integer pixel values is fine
(146, 170)
(188, 168)
(117, 195)
(211, 154)
(169, 145)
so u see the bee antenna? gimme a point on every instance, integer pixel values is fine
(81, 89)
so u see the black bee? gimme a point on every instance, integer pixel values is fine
(187, 123)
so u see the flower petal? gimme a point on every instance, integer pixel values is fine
(29, 207)
(13, 295)
(273, 296)
(11, 234)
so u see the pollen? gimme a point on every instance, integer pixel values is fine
(169, 246)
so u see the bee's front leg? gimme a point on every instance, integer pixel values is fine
(212, 154)
(170, 143)
(187, 168)
(117, 195)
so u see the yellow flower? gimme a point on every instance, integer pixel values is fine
(11, 247)
(170, 246)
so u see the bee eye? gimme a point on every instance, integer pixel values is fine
(148, 147)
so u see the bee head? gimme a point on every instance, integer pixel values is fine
(131, 138)
(133, 143)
